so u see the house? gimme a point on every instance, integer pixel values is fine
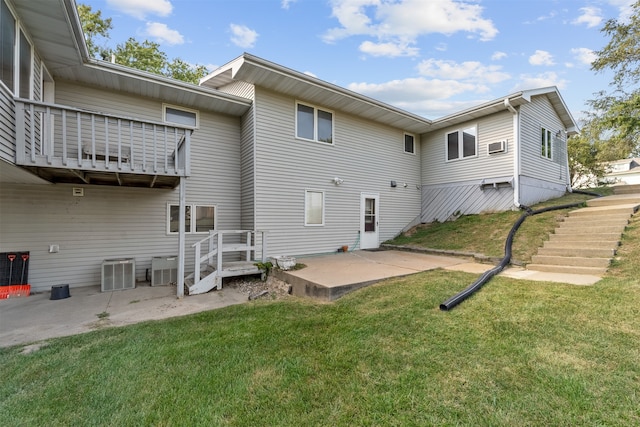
(104, 169)
(623, 172)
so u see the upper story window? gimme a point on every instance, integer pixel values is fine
(409, 144)
(180, 116)
(546, 143)
(25, 68)
(462, 143)
(314, 123)
(7, 46)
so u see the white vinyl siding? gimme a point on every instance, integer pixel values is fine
(535, 115)
(119, 222)
(437, 170)
(367, 157)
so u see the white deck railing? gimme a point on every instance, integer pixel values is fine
(49, 135)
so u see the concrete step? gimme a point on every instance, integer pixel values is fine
(627, 189)
(571, 261)
(577, 252)
(621, 219)
(595, 271)
(581, 244)
(591, 229)
(629, 209)
(586, 237)
(615, 200)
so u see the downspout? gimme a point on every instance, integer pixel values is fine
(516, 152)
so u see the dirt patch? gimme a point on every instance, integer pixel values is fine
(255, 288)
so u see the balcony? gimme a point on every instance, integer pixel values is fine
(69, 145)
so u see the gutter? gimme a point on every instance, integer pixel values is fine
(516, 152)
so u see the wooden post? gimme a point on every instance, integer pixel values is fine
(181, 237)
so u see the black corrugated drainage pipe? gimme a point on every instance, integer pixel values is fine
(487, 275)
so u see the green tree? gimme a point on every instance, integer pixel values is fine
(145, 55)
(619, 111)
(94, 27)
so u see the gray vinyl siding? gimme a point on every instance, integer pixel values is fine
(366, 155)
(437, 170)
(535, 115)
(247, 170)
(7, 125)
(453, 188)
(116, 222)
(239, 88)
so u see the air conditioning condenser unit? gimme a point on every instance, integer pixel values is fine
(164, 270)
(118, 274)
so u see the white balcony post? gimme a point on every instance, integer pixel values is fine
(181, 241)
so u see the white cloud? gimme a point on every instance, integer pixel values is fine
(498, 56)
(541, 57)
(401, 22)
(413, 89)
(141, 8)
(243, 36)
(164, 34)
(550, 78)
(470, 71)
(388, 49)
(584, 55)
(591, 16)
(625, 7)
(286, 3)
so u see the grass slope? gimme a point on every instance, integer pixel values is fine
(518, 353)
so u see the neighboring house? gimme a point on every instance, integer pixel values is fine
(622, 172)
(99, 161)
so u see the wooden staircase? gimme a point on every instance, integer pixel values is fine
(587, 239)
(211, 268)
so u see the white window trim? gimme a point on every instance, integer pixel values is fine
(186, 110)
(192, 225)
(324, 201)
(552, 140)
(315, 123)
(404, 135)
(460, 144)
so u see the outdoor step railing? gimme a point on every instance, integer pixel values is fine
(50, 135)
(251, 244)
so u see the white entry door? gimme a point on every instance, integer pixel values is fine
(369, 220)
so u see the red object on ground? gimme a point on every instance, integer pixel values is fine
(13, 291)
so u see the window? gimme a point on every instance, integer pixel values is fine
(409, 144)
(7, 44)
(25, 68)
(198, 218)
(314, 124)
(314, 207)
(461, 144)
(180, 116)
(546, 143)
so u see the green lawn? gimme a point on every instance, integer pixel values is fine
(517, 353)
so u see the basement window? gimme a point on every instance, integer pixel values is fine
(198, 218)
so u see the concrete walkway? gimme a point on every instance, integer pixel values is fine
(36, 318)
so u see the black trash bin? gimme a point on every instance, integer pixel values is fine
(60, 292)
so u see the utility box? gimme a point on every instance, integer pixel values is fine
(118, 274)
(164, 270)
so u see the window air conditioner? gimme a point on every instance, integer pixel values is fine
(498, 147)
(118, 274)
(164, 270)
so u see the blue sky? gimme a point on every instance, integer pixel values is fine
(429, 57)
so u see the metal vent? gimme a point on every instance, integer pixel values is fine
(164, 270)
(118, 274)
(498, 147)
